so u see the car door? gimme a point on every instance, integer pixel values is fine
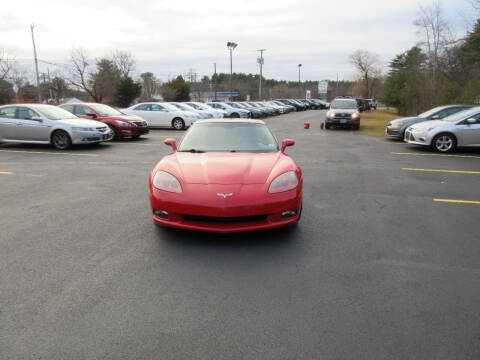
(470, 133)
(142, 110)
(31, 126)
(160, 115)
(8, 123)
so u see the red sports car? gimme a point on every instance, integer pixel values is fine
(226, 176)
(122, 125)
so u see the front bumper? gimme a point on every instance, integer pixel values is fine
(249, 208)
(89, 137)
(393, 132)
(417, 138)
(342, 121)
(133, 131)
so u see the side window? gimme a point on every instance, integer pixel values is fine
(68, 108)
(25, 113)
(142, 107)
(8, 112)
(156, 107)
(82, 110)
(446, 112)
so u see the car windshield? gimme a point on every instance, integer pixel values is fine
(430, 112)
(228, 137)
(54, 113)
(183, 107)
(461, 115)
(196, 106)
(344, 104)
(235, 105)
(105, 110)
(170, 107)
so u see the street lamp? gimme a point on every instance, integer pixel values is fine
(260, 62)
(231, 46)
(299, 82)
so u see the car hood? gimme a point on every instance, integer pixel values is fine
(404, 120)
(82, 122)
(226, 168)
(429, 124)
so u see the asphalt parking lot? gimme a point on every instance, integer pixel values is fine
(384, 263)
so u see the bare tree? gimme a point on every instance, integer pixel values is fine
(124, 62)
(6, 65)
(367, 64)
(81, 74)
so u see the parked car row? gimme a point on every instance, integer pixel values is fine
(442, 128)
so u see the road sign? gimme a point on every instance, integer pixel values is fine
(227, 93)
(308, 95)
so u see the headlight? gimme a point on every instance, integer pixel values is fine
(81, 129)
(330, 114)
(123, 123)
(286, 181)
(355, 115)
(166, 182)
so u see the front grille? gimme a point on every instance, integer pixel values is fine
(140, 123)
(342, 116)
(409, 136)
(225, 220)
(102, 129)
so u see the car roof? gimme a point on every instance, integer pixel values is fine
(244, 121)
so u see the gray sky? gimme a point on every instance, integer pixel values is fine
(172, 37)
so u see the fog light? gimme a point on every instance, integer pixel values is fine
(289, 214)
(161, 214)
(422, 139)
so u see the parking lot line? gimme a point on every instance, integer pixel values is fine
(443, 171)
(132, 143)
(6, 173)
(47, 153)
(394, 143)
(457, 201)
(445, 155)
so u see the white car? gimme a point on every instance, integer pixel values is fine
(217, 113)
(459, 129)
(185, 107)
(231, 111)
(163, 115)
(48, 124)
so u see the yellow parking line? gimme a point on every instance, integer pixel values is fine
(132, 143)
(47, 153)
(443, 171)
(445, 155)
(457, 201)
(6, 173)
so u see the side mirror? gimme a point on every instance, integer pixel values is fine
(471, 121)
(171, 142)
(435, 117)
(287, 142)
(37, 118)
(93, 115)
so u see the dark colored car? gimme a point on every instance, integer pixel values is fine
(322, 105)
(310, 104)
(396, 128)
(122, 125)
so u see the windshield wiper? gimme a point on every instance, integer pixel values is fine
(193, 151)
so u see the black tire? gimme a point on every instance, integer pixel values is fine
(61, 140)
(356, 127)
(235, 116)
(444, 143)
(327, 126)
(178, 124)
(115, 134)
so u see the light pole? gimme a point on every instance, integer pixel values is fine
(260, 62)
(231, 46)
(39, 92)
(299, 82)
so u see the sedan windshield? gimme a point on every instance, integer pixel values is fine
(183, 107)
(228, 137)
(344, 104)
(54, 113)
(170, 107)
(105, 110)
(430, 112)
(462, 115)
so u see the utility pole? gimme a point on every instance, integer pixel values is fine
(336, 90)
(231, 46)
(260, 62)
(215, 82)
(299, 82)
(36, 64)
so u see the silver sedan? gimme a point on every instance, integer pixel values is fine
(460, 129)
(47, 124)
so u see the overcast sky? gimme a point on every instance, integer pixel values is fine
(172, 37)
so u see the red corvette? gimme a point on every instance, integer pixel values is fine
(226, 176)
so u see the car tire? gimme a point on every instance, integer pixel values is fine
(444, 143)
(327, 126)
(178, 124)
(115, 134)
(356, 127)
(235, 116)
(61, 140)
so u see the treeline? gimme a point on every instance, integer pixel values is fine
(439, 70)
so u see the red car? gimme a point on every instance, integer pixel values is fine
(122, 125)
(226, 176)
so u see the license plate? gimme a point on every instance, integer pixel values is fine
(343, 121)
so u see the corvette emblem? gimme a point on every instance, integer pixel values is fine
(224, 195)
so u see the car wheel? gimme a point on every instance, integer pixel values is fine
(444, 143)
(235, 116)
(178, 124)
(327, 126)
(115, 134)
(61, 140)
(356, 127)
